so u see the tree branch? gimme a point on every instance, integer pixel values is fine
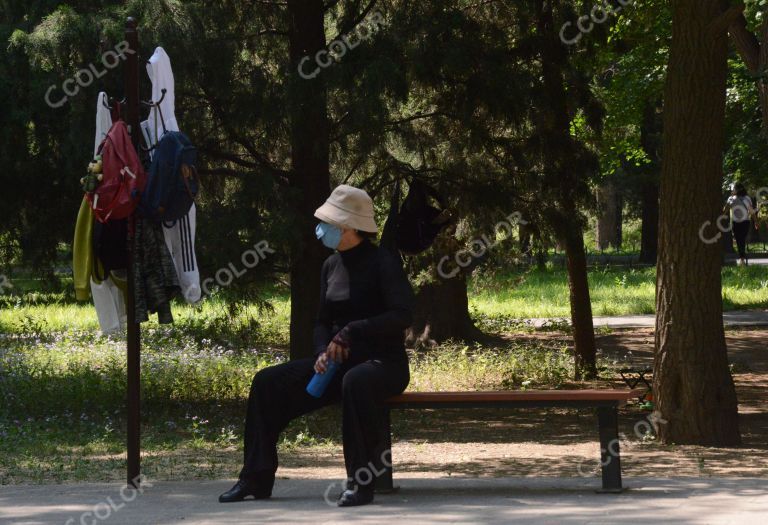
(229, 157)
(260, 160)
(746, 43)
(349, 27)
(226, 172)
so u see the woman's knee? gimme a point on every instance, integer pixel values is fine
(356, 381)
(376, 381)
(264, 378)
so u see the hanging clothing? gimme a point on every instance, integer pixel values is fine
(110, 305)
(179, 235)
(161, 75)
(108, 298)
(108, 294)
(155, 280)
(180, 240)
(89, 275)
(82, 252)
(103, 121)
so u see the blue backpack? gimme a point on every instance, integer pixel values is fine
(172, 181)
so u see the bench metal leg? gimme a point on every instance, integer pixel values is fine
(384, 481)
(610, 459)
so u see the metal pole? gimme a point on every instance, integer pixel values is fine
(134, 329)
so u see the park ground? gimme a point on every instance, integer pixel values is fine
(63, 385)
(559, 443)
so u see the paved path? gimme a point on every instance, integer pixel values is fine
(567, 501)
(633, 260)
(730, 319)
(759, 261)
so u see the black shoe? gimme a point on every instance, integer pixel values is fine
(348, 485)
(243, 489)
(354, 498)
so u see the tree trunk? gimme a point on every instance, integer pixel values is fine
(692, 383)
(650, 140)
(608, 228)
(584, 347)
(754, 53)
(559, 159)
(649, 233)
(525, 234)
(310, 179)
(441, 309)
(441, 312)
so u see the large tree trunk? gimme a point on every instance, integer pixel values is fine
(441, 309)
(692, 383)
(310, 179)
(441, 312)
(608, 228)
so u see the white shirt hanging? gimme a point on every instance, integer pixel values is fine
(180, 236)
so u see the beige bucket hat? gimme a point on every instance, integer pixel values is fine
(349, 207)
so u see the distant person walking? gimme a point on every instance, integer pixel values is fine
(741, 208)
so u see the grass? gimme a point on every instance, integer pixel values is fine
(63, 416)
(505, 296)
(614, 291)
(250, 323)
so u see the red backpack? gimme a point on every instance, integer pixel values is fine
(124, 177)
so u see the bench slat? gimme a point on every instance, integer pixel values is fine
(513, 395)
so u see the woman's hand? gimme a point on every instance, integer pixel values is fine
(337, 352)
(321, 365)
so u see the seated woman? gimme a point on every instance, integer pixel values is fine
(365, 307)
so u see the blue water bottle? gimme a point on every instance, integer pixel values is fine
(320, 382)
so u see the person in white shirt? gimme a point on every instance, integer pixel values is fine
(742, 210)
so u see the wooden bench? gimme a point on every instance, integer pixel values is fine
(606, 403)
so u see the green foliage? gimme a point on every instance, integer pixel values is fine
(454, 366)
(457, 111)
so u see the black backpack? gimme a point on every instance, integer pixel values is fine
(414, 226)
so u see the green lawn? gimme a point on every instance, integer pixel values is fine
(245, 320)
(519, 295)
(63, 412)
(614, 291)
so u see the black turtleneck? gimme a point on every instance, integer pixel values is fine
(365, 290)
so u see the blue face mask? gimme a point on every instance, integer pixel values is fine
(329, 235)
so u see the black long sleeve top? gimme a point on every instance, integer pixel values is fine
(364, 291)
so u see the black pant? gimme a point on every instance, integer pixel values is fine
(278, 395)
(740, 232)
